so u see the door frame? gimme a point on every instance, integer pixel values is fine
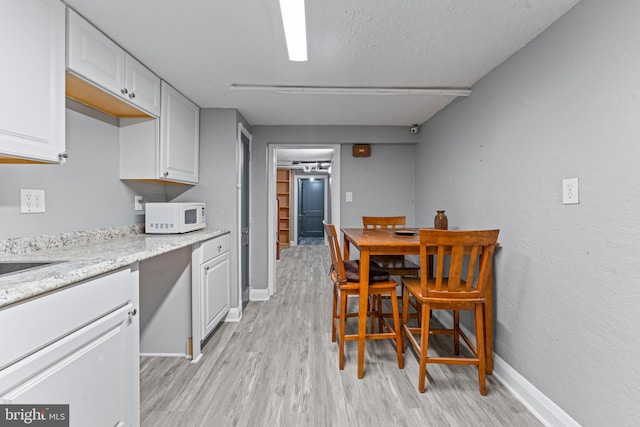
(239, 165)
(272, 224)
(296, 196)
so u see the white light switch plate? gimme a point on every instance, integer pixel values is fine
(32, 201)
(570, 191)
(349, 196)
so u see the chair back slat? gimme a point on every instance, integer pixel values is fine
(457, 251)
(337, 272)
(384, 221)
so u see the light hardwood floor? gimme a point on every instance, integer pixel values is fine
(278, 367)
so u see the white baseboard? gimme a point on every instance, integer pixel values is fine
(543, 408)
(183, 356)
(259, 295)
(233, 315)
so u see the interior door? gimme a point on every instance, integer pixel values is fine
(311, 207)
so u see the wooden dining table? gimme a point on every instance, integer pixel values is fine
(385, 241)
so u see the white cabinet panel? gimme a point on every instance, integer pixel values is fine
(165, 149)
(96, 58)
(179, 136)
(143, 86)
(215, 292)
(93, 55)
(90, 370)
(32, 109)
(78, 346)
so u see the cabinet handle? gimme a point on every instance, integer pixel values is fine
(219, 248)
(207, 268)
(133, 312)
(166, 174)
(124, 91)
(132, 95)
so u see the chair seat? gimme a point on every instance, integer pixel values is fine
(386, 262)
(412, 285)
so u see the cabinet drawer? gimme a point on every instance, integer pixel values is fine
(38, 322)
(214, 247)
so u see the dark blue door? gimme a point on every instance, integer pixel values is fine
(310, 207)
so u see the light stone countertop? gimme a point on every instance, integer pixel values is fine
(84, 258)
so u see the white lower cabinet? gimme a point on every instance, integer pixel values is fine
(81, 350)
(211, 277)
(215, 292)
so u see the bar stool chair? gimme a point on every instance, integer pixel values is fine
(346, 277)
(396, 265)
(466, 256)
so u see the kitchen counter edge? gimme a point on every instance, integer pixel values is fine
(76, 263)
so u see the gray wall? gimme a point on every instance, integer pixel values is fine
(84, 193)
(388, 163)
(217, 181)
(567, 276)
(382, 185)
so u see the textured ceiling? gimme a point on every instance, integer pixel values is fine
(203, 47)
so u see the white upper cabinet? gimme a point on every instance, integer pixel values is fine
(179, 136)
(32, 105)
(97, 59)
(165, 149)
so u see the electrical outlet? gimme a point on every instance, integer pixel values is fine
(348, 197)
(32, 201)
(137, 203)
(570, 191)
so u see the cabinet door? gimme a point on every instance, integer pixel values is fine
(94, 56)
(143, 86)
(179, 137)
(32, 109)
(90, 369)
(215, 292)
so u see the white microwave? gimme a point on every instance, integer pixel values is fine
(171, 218)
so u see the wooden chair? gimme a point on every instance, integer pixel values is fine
(345, 277)
(457, 252)
(396, 265)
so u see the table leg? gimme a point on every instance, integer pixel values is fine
(488, 321)
(345, 249)
(362, 311)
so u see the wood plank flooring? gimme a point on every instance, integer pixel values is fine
(278, 367)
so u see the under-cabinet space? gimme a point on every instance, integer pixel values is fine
(165, 304)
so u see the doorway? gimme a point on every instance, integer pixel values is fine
(244, 159)
(310, 211)
(332, 207)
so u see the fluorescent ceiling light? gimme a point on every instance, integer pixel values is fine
(295, 28)
(357, 90)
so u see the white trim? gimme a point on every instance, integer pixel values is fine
(543, 408)
(183, 356)
(272, 223)
(234, 315)
(334, 195)
(239, 159)
(259, 295)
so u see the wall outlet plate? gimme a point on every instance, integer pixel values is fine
(137, 203)
(32, 201)
(570, 191)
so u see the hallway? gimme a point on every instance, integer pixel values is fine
(278, 367)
